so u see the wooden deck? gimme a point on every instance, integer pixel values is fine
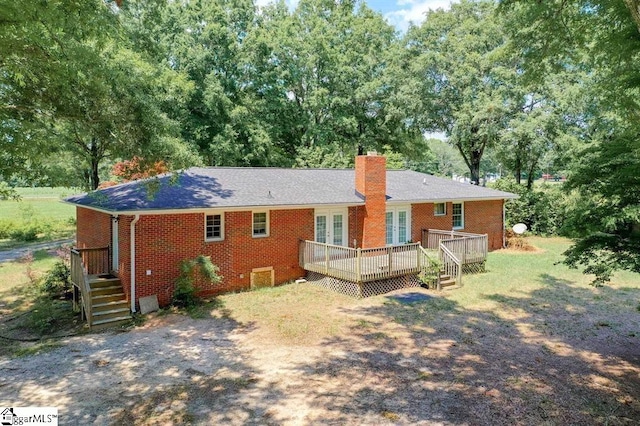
(451, 252)
(471, 248)
(362, 265)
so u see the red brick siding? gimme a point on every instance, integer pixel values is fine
(481, 217)
(485, 217)
(356, 223)
(371, 181)
(93, 228)
(163, 241)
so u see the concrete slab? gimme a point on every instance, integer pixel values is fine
(149, 304)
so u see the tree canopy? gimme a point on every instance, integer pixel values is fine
(600, 39)
(549, 87)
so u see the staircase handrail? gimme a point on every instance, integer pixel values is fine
(452, 265)
(80, 279)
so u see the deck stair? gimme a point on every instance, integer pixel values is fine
(446, 281)
(109, 306)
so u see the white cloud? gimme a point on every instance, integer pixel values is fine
(414, 11)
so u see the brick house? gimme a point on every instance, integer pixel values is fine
(251, 221)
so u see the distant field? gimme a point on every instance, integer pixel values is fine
(57, 193)
(44, 203)
(39, 215)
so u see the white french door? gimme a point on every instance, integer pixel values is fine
(398, 224)
(331, 227)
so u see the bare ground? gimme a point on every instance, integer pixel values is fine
(554, 357)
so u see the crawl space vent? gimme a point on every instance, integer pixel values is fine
(262, 277)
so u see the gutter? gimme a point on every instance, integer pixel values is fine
(132, 236)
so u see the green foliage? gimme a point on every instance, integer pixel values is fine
(464, 79)
(38, 216)
(185, 290)
(542, 209)
(110, 104)
(430, 273)
(601, 40)
(6, 192)
(323, 157)
(47, 315)
(56, 280)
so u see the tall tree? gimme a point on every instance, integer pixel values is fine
(322, 70)
(601, 37)
(72, 83)
(460, 69)
(206, 41)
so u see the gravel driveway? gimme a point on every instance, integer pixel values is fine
(17, 253)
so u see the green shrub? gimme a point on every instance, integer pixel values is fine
(184, 293)
(57, 280)
(48, 315)
(5, 228)
(26, 231)
(430, 273)
(543, 209)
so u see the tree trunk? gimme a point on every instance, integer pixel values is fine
(517, 172)
(530, 180)
(94, 161)
(474, 170)
(532, 169)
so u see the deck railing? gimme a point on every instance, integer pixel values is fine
(80, 279)
(85, 262)
(360, 265)
(95, 260)
(467, 247)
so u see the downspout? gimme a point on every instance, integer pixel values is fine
(132, 236)
(504, 224)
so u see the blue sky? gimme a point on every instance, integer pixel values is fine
(397, 12)
(400, 12)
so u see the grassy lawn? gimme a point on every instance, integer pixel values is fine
(530, 341)
(25, 314)
(514, 281)
(39, 210)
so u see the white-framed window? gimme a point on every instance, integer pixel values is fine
(261, 224)
(440, 209)
(214, 227)
(457, 215)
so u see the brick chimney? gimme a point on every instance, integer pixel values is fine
(371, 183)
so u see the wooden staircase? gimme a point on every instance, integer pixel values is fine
(446, 281)
(109, 306)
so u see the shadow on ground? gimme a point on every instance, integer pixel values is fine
(567, 361)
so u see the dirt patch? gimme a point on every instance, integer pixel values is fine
(429, 362)
(519, 243)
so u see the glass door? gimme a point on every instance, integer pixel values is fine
(331, 227)
(398, 226)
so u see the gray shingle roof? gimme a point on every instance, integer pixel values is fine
(228, 187)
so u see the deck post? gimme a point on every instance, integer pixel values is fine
(390, 250)
(358, 264)
(326, 259)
